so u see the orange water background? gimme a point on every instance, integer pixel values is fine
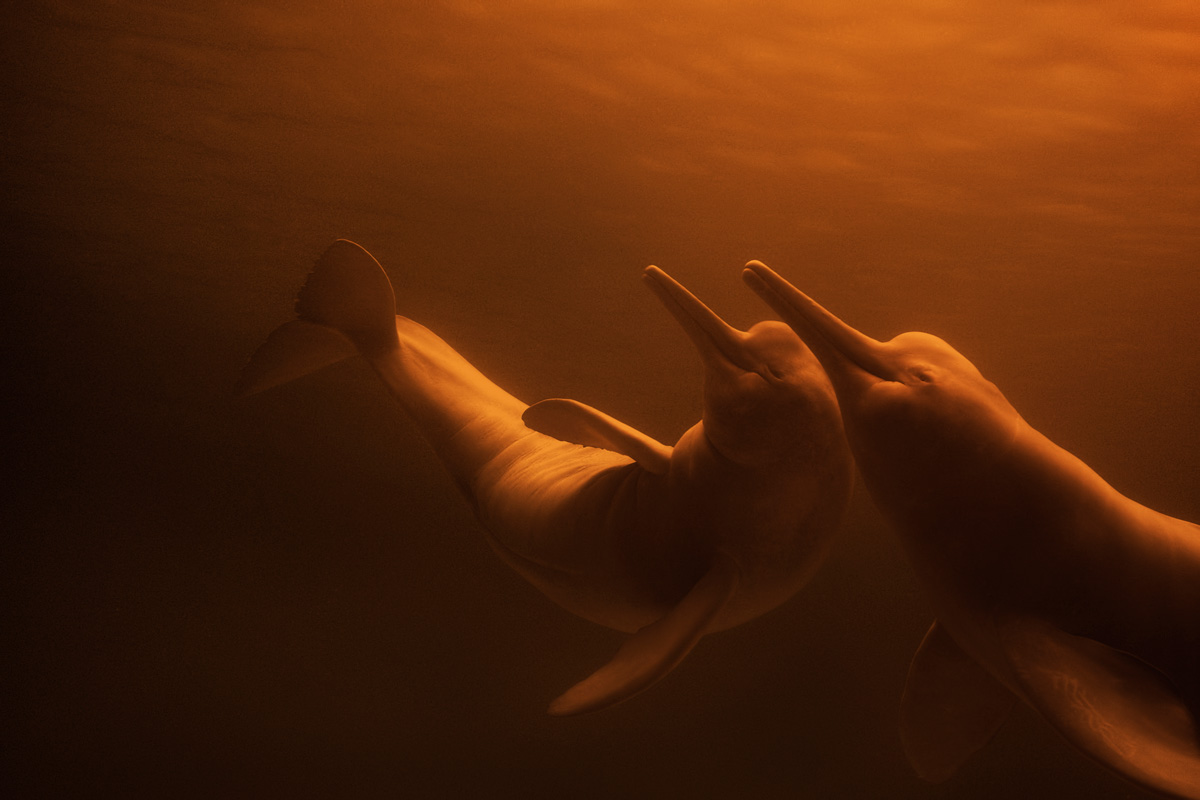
(285, 596)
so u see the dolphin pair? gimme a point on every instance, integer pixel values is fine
(1049, 586)
(667, 543)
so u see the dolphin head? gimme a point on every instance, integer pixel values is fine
(913, 403)
(766, 397)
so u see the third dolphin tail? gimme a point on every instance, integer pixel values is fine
(345, 307)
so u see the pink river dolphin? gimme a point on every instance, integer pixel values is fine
(665, 543)
(1049, 585)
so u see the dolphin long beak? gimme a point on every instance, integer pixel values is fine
(825, 334)
(712, 336)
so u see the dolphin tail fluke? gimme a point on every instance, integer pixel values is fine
(651, 653)
(345, 307)
(292, 351)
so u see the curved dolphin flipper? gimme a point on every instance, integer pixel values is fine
(656, 649)
(579, 423)
(1111, 705)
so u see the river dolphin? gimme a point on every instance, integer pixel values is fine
(667, 543)
(1048, 585)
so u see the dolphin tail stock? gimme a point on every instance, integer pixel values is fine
(346, 307)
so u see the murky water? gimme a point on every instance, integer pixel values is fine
(286, 594)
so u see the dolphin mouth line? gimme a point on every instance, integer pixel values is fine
(712, 336)
(852, 349)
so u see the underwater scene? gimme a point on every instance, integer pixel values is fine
(737, 344)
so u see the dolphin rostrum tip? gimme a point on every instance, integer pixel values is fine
(652, 273)
(753, 275)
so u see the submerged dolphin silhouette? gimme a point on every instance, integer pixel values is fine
(670, 543)
(1048, 584)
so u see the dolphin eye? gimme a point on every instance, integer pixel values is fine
(923, 374)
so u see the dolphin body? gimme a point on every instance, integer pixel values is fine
(665, 543)
(1049, 585)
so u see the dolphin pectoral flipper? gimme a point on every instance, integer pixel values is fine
(655, 650)
(1111, 705)
(950, 708)
(579, 423)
